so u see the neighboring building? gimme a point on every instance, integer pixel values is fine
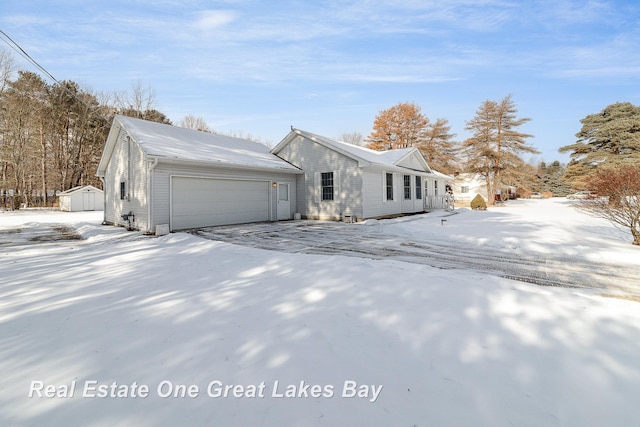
(342, 179)
(466, 186)
(81, 198)
(156, 174)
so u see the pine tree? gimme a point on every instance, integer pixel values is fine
(494, 149)
(610, 138)
(552, 179)
(438, 148)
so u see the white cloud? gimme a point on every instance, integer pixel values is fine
(214, 19)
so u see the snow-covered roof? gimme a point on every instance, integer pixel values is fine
(392, 158)
(80, 188)
(173, 142)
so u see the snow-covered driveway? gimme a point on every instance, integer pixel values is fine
(426, 346)
(437, 242)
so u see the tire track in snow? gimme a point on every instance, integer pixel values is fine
(341, 239)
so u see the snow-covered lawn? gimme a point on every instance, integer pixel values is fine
(385, 342)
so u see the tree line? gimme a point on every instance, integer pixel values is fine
(605, 159)
(493, 151)
(52, 134)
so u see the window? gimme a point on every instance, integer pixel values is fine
(407, 187)
(389, 186)
(327, 185)
(464, 189)
(283, 192)
(435, 188)
(123, 190)
(418, 187)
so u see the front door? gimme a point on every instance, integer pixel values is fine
(284, 203)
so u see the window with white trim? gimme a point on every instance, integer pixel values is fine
(326, 179)
(464, 189)
(389, 185)
(407, 187)
(435, 188)
(418, 187)
(123, 190)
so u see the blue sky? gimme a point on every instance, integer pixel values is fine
(329, 67)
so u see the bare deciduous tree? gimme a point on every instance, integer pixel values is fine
(196, 123)
(618, 199)
(354, 138)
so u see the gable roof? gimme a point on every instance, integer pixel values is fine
(403, 158)
(80, 188)
(176, 143)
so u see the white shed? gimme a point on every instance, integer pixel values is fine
(82, 198)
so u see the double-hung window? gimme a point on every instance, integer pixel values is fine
(418, 187)
(326, 179)
(389, 184)
(407, 187)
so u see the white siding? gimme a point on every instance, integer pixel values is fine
(127, 164)
(374, 193)
(314, 158)
(165, 170)
(475, 184)
(411, 162)
(82, 199)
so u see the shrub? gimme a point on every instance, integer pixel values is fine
(478, 203)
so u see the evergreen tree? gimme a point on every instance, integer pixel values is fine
(552, 179)
(609, 138)
(494, 149)
(438, 148)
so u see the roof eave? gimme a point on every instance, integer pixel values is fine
(225, 165)
(112, 138)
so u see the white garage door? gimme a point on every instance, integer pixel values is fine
(204, 202)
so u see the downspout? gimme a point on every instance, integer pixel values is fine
(150, 194)
(128, 168)
(104, 201)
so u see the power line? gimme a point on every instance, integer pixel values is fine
(15, 46)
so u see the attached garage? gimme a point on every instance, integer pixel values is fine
(204, 202)
(157, 177)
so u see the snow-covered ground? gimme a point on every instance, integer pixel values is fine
(386, 342)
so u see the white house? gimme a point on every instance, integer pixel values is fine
(176, 178)
(467, 185)
(81, 198)
(342, 179)
(156, 174)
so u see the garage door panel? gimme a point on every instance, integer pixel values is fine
(202, 202)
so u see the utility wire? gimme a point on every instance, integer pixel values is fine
(15, 46)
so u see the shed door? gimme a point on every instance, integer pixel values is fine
(206, 202)
(88, 201)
